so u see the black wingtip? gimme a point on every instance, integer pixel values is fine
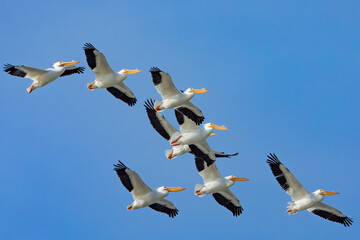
(348, 222)
(81, 70)
(272, 159)
(225, 155)
(199, 120)
(132, 102)
(7, 67)
(238, 212)
(234, 154)
(88, 46)
(119, 166)
(173, 213)
(149, 105)
(154, 69)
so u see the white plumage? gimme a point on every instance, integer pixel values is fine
(218, 186)
(167, 131)
(43, 77)
(145, 196)
(173, 98)
(105, 77)
(302, 199)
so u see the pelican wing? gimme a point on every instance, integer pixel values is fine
(24, 71)
(165, 206)
(208, 173)
(227, 199)
(71, 70)
(158, 121)
(96, 60)
(203, 151)
(192, 112)
(131, 180)
(286, 179)
(163, 83)
(122, 92)
(186, 125)
(330, 213)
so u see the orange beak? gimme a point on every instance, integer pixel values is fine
(127, 71)
(174, 189)
(328, 192)
(63, 64)
(219, 127)
(203, 90)
(237, 179)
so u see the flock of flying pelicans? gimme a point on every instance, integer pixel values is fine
(190, 139)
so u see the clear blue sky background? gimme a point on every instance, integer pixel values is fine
(283, 76)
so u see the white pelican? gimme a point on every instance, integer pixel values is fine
(167, 131)
(218, 186)
(145, 196)
(173, 98)
(302, 198)
(43, 77)
(105, 77)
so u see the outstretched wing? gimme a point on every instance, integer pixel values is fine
(165, 206)
(158, 121)
(96, 60)
(131, 180)
(24, 71)
(286, 179)
(192, 112)
(227, 199)
(122, 92)
(72, 69)
(163, 83)
(330, 213)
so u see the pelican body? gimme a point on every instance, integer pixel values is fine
(145, 196)
(43, 77)
(173, 98)
(218, 186)
(169, 132)
(106, 77)
(176, 100)
(195, 135)
(192, 133)
(302, 199)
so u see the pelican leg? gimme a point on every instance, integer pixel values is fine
(171, 154)
(197, 192)
(291, 210)
(158, 107)
(174, 142)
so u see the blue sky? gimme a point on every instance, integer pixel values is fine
(283, 76)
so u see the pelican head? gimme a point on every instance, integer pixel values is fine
(322, 192)
(232, 179)
(64, 64)
(236, 179)
(165, 190)
(190, 92)
(127, 71)
(319, 194)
